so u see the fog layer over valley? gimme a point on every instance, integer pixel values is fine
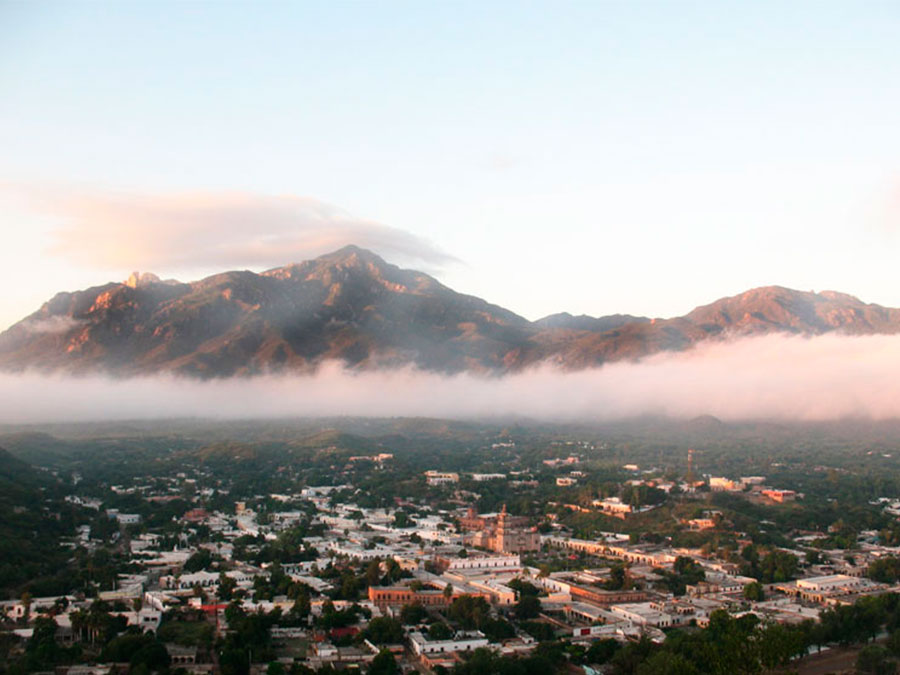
(780, 377)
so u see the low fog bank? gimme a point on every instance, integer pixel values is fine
(774, 377)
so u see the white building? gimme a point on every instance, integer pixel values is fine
(613, 506)
(486, 563)
(720, 484)
(441, 478)
(830, 583)
(185, 582)
(124, 518)
(462, 642)
(643, 614)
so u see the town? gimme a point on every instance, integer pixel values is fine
(558, 549)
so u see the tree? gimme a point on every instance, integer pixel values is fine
(689, 569)
(497, 630)
(778, 644)
(227, 585)
(394, 571)
(402, 520)
(524, 587)
(885, 570)
(60, 605)
(539, 630)
(152, 655)
(602, 651)
(777, 566)
(629, 658)
(120, 649)
(754, 592)
(101, 626)
(667, 663)
(618, 578)
(469, 611)
(384, 663)
(528, 607)
(302, 605)
(384, 630)
(875, 659)
(413, 614)
(198, 561)
(26, 603)
(79, 623)
(685, 571)
(815, 557)
(439, 631)
(373, 573)
(42, 651)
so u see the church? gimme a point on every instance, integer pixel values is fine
(502, 533)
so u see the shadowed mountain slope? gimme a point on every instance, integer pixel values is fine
(351, 306)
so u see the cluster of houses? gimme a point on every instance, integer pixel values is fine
(446, 555)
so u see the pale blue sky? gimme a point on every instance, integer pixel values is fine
(594, 157)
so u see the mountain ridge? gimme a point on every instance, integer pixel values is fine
(354, 307)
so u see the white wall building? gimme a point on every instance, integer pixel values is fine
(462, 642)
(478, 563)
(643, 614)
(441, 478)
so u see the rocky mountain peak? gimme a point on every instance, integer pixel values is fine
(354, 307)
(138, 279)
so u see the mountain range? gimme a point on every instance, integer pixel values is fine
(352, 306)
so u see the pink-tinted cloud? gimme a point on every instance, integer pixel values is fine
(172, 232)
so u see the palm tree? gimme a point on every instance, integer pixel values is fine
(96, 620)
(26, 603)
(79, 622)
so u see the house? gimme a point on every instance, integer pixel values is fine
(441, 478)
(613, 507)
(429, 596)
(720, 484)
(461, 642)
(780, 496)
(643, 614)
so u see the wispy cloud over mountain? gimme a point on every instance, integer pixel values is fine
(170, 232)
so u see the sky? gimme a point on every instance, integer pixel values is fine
(590, 157)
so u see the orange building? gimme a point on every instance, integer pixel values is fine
(604, 598)
(397, 596)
